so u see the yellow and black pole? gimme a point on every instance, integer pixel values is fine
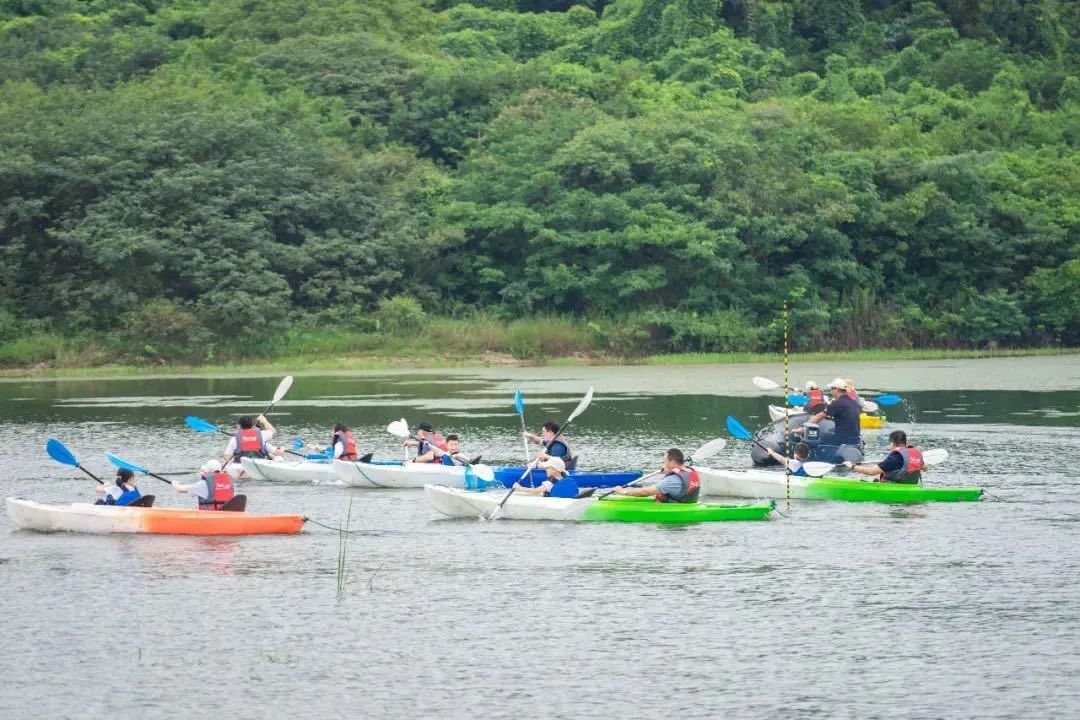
(787, 421)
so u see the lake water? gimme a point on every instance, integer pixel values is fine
(835, 611)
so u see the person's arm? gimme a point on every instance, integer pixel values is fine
(427, 457)
(648, 491)
(271, 450)
(230, 450)
(534, 439)
(180, 488)
(870, 469)
(890, 463)
(410, 442)
(267, 428)
(538, 490)
(777, 457)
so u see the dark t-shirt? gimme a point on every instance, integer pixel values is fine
(845, 413)
(894, 461)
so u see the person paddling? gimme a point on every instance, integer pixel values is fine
(679, 484)
(343, 443)
(795, 465)
(213, 489)
(251, 441)
(554, 444)
(426, 438)
(555, 469)
(453, 454)
(123, 492)
(903, 464)
(843, 411)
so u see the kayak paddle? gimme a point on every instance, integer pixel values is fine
(282, 388)
(763, 383)
(202, 426)
(519, 405)
(705, 451)
(59, 452)
(737, 430)
(125, 465)
(529, 468)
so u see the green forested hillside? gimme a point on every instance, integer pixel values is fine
(175, 174)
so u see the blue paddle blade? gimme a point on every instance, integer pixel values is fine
(200, 425)
(297, 443)
(519, 403)
(887, 400)
(736, 428)
(58, 452)
(565, 488)
(125, 465)
(796, 399)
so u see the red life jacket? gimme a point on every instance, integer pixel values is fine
(345, 437)
(249, 443)
(913, 465)
(435, 439)
(220, 487)
(816, 398)
(852, 394)
(691, 482)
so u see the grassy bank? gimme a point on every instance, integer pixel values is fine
(436, 343)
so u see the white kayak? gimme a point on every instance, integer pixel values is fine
(751, 483)
(281, 471)
(412, 475)
(462, 504)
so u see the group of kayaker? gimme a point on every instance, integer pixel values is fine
(843, 409)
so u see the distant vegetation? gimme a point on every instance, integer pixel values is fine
(202, 180)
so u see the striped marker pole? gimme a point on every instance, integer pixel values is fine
(787, 421)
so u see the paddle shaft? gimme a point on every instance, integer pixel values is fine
(90, 474)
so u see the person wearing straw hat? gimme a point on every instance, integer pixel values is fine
(843, 411)
(556, 471)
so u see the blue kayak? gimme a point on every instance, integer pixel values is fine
(508, 475)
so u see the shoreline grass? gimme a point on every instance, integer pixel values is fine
(309, 364)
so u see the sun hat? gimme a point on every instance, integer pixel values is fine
(210, 466)
(838, 384)
(555, 463)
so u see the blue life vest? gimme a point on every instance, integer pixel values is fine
(126, 498)
(447, 460)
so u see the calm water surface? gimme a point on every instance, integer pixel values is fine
(838, 610)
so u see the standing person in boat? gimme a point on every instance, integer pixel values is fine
(343, 443)
(453, 454)
(426, 439)
(903, 464)
(555, 469)
(815, 398)
(554, 444)
(213, 489)
(123, 492)
(251, 439)
(679, 484)
(844, 412)
(795, 464)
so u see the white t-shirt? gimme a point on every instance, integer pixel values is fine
(114, 492)
(339, 449)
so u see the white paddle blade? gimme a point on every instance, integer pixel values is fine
(581, 405)
(935, 456)
(282, 388)
(398, 428)
(708, 449)
(484, 472)
(817, 469)
(870, 406)
(763, 383)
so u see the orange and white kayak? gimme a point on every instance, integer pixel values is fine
(87, 518)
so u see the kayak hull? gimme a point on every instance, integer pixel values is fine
(102, 519)
(508, 475)
(462, 504)
(866, 422)
(280, 471)
(412, 475)
(824, 444)
(773, 484)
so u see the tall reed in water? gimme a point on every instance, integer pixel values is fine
(343, 543)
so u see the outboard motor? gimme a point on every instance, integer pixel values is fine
(819, 437)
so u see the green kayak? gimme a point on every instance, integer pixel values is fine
(642, 509)
(773, 484)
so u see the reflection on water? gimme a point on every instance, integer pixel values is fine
(839, 610)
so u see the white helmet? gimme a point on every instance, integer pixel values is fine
(810, 385)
